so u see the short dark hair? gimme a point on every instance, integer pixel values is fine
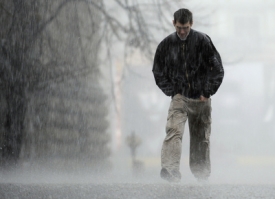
(183, 16)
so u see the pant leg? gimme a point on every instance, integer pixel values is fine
(199, 118)
(172, 144)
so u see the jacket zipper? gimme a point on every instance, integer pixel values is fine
(186, 74)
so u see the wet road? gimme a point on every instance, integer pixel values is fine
(133, 191)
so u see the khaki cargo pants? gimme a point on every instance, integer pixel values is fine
(198, 114)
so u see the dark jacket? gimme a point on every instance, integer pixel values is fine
(192, 67)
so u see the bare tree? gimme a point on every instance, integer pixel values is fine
(47, 55)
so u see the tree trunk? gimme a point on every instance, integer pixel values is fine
(14, 124)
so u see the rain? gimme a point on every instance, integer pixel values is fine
(82, 117)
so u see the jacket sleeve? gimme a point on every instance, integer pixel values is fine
(160, 72)
(214, 69)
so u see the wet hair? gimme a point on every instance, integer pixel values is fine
(183, 16)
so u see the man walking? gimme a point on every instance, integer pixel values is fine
(188, 68)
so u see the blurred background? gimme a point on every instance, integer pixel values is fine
(78, 94)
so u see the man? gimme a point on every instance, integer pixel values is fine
(188, 68)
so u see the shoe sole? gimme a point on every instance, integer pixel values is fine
(164, 174)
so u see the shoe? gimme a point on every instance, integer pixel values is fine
(174, 177)
(202, 180)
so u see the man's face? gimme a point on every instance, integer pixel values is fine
(182, 29)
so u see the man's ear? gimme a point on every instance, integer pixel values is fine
(173, 22)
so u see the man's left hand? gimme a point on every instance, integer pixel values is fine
(202, 98)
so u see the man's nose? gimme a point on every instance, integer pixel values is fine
(182, 31)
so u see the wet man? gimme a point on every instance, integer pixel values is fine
(188, 68)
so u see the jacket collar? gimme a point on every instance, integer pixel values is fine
(189, 34)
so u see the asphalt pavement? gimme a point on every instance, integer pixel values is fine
(133, 191)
